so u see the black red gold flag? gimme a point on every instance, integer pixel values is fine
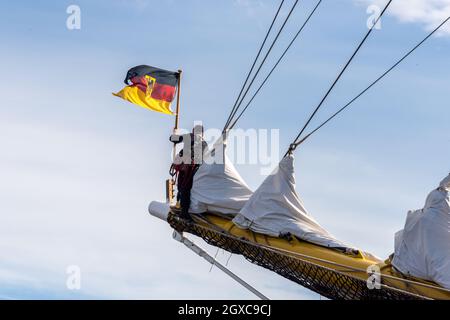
(151, 88)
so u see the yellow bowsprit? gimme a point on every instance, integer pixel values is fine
(329, 272)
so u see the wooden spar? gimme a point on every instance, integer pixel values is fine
(170, 182)
(177, 115)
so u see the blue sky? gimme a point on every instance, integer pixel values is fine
(78, 166)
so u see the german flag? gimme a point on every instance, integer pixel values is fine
(150, 88)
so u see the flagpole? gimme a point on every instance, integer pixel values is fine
(177, 113)
(177, 116)
(170, 183)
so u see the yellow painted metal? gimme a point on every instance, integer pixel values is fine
(355, 265)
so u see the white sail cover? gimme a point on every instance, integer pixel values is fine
(275, 209)
(218, 188)
(422, 248)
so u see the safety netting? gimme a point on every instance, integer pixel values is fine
(338, 284)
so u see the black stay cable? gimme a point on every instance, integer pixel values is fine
(276, 65)
(262, 63)
(373, 83)
(293, 145)
(255, 60)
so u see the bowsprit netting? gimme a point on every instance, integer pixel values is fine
(328, 282)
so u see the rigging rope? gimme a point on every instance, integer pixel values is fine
(276, 65)
(373, 83)
(293, 145)
(255, 60)
(261, 65)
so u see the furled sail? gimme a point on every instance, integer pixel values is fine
(218, 187)
(276, 209)
(422, 248)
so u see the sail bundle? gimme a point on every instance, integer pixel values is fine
(218, 187)
(422, 248)
(276, 209)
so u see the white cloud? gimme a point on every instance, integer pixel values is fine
(428, 13)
